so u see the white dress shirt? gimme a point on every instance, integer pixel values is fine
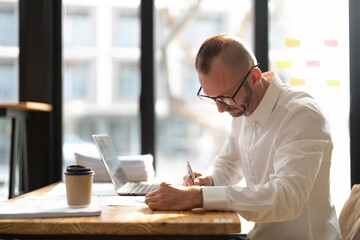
(283, 149)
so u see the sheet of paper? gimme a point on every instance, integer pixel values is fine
(122, 201)
(46, 206)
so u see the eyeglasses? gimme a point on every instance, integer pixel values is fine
(230, 101)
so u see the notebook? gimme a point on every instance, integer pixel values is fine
(116, 172)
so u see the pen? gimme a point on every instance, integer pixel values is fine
(190, 172)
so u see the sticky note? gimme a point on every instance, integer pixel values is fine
(283, 64)
(290, 42)
(330, 43)
(333, 83)
(313, 63)
(296, 82)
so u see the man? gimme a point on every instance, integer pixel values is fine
(279, 141)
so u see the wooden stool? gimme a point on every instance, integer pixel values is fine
(18, 112)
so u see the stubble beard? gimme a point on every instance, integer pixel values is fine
(235, 111)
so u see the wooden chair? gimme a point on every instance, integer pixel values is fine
(349, 218)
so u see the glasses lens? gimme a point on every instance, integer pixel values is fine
(227, 101)
(207, 99)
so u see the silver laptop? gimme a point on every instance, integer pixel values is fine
(117, 174)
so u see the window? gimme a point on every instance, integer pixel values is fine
(79, 26)
(5, 140)
(309, 49)
(126, 28)
(194, 130)
(127, 81)
(187, 128)
(78, 81)
(8, 81)
(8, 24)
(9, 53)
(210, 24)
(101, 76)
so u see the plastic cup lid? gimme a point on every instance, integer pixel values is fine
(78, 170)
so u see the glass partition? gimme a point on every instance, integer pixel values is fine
(309, 49)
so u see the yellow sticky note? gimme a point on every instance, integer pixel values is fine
(296, 82)
(333, 83)
(283, 64)
(291, 42)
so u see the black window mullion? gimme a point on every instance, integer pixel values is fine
(354, 37)
(261, 33)
(147, 98)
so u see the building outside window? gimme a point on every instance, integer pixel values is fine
(126, 28)
(9, 54)
(101, 75)
(8, 80)
(78, 82)
(127, 81)
(80, 27)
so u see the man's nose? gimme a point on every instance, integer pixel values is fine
(221, 107)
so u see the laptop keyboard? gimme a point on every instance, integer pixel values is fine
(133, 187)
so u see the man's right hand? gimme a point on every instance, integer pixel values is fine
(199, 180)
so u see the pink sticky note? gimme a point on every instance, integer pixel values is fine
(313, 63)
(330, 43)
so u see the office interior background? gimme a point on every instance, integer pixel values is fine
(102, 82)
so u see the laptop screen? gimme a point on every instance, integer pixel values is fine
(110, 158)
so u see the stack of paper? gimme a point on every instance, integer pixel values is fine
(101, 174)
(137, 168)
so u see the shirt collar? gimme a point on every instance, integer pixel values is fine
(267, 104)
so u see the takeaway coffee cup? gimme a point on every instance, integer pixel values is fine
(78, 181)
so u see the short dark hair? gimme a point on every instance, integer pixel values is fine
(215, 45)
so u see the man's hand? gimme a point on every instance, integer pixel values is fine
(169, 197)
(199, 180)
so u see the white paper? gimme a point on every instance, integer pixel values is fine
(122, 201)
(46, 206)
(137, 168)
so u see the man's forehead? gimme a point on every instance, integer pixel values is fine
(215, 86)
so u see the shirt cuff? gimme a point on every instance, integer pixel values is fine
(214, 197)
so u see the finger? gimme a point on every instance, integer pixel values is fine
(201, 181)
(204, 181)
(185, 178)
(152, 206)
(151, 194)
(196, 174)
(148, 199)
(187, 181)
(197, 182)
(151, 199)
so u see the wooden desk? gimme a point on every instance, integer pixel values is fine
(124, 222)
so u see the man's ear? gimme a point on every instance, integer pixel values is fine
(255, 76)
